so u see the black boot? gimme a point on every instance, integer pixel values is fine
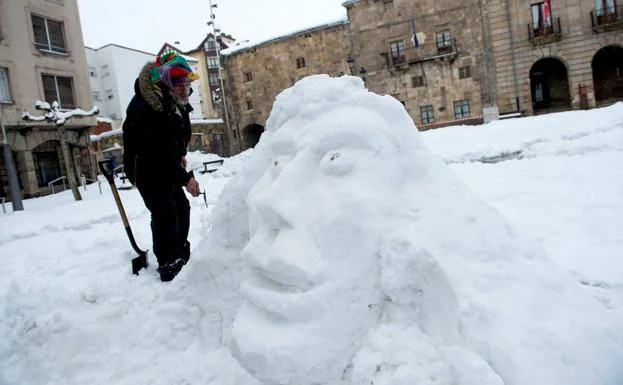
(170, 270)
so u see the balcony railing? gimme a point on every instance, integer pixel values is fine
(544, 34)
(426, 52)
(607, 19)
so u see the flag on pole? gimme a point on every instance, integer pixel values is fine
(547, 14)
(414, 39)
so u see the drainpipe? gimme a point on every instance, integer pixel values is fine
(511, 39)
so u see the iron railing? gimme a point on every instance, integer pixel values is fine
(51, 184)
(424, 53)
(544, 34)
(607, 19)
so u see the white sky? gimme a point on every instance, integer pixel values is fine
(146, 25)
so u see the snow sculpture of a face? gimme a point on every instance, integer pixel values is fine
(314, 289)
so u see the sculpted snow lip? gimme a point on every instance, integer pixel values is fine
(278, 282)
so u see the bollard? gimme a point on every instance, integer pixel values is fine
(3, 208)
(83, 180)
(99, 184)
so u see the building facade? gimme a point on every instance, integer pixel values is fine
(42, 57)
(113, 69)
(255, 75)
(427, 54)
(554, 55)
(448, 62)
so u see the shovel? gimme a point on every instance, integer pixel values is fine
(139, 262)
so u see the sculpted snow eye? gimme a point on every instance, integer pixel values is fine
(337, 163)
(277, 165)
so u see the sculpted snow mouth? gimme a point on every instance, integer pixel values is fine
(276, 294)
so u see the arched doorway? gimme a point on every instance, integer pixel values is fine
(48, 163)
(251, 135)
(608, 74)
(549, 85)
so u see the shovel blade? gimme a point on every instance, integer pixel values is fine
(139, 263)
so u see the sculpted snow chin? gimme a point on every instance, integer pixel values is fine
(361, 258)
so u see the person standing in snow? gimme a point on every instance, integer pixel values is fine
(156, 133)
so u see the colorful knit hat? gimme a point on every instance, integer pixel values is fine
(169, 68)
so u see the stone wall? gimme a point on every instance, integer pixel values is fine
(255, 76)
(427, 75)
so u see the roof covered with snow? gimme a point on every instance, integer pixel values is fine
(243, 45)
(206, 121)
(107, 134)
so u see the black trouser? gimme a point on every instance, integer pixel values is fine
(170, 222)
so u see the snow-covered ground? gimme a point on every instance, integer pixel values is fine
(72, 313)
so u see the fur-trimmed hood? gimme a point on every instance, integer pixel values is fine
(143, 87)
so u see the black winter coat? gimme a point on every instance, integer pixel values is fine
(155, 133)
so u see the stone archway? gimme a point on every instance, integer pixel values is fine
(549, 85)
(608, 74)
(251, 135)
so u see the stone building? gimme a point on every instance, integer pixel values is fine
(448, 62)
(42, 57)
(427, 54)
(551, 55)
(256, 74)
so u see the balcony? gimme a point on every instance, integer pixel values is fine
(607, 19)
(545, 34)
(426, 52)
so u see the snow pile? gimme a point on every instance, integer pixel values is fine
(554, 134)
(361, 258)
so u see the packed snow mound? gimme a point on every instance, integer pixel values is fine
(345, 252)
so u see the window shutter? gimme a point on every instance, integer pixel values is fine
(49, 88)
(57, 40)
(5, 95)
(41, 36)
(66, 92)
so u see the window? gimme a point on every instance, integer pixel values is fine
(428, 114)
(444, 40)
(461, 109)
(105, 71)
(389, 4)
(59, 89)
(300, 63)
(49, 35)
(92, 72)
(605, 7)
(397, 50)
(213, 62)
(5, 95)
(249, 104)
(214, 80)
(96, 96)
(248, 77)
(210, 45)
(47, 167)
(418, 81)
(465, 72)
(541, 16)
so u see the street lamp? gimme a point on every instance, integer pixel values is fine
(216, 30)
(16, 197)
(362, 73)
(351, 64)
